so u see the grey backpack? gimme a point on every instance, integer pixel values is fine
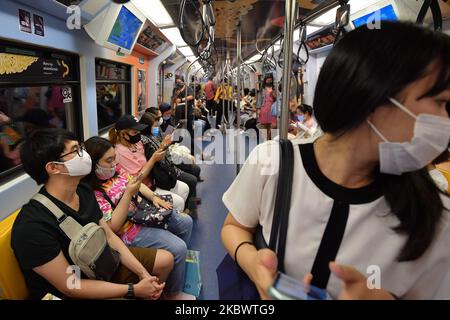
(88, 248)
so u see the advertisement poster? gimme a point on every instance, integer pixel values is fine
(142, 90)
(38, 25)
(24, 21)
(322, 39)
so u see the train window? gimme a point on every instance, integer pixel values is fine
(38, 89)
(113, 92)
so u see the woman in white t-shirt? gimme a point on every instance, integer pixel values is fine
(382, 110)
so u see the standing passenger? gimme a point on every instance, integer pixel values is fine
(266, 119)
(383, 113)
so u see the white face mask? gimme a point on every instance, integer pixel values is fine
(105, 173)
(439, 179)
(431, 137)
(78, 166)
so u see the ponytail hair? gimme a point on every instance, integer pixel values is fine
(114, 136)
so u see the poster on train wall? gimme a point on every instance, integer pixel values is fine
(24, 21)
(322, 39)
(142, 85)
(38, 25)
(29, 66)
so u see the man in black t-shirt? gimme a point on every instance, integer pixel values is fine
(55, 158)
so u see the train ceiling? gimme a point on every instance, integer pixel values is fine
(261, 20)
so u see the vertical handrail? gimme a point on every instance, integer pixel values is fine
(238, 102)
(291, 6)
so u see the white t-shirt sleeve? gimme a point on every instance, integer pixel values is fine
(244, 197)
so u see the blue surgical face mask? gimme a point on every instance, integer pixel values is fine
(300, 118)
(155, 131)
(165, 118)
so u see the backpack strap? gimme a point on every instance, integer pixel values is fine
(68, 224)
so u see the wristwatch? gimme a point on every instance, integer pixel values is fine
(130, 293)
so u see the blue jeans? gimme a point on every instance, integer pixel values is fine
(174, 240)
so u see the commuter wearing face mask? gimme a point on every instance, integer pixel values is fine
(130, 153)
(362, 198)
(165, 172)
(266, 119)
(114, 191)
(55, 159)
(304, 121)
(168, 124)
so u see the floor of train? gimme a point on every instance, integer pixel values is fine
(211, 214)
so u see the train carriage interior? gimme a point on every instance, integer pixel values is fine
(164, 105)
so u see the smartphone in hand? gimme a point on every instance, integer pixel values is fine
(288, 288)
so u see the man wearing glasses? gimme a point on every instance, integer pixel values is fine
(55, 158)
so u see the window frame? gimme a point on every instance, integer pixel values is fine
(15, 172)
(128, 87)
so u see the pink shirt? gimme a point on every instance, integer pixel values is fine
(131, 159)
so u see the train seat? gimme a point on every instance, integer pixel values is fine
(12, 282)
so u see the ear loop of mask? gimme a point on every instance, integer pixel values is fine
(379, 134)
(402, 107)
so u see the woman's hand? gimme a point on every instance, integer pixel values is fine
(158, 155)
(264, 271)
(167, 140)
(160, 203)
(133, 186)
(355, 285)
(149, 288)
(293, 128)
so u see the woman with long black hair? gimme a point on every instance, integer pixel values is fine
(382, 110)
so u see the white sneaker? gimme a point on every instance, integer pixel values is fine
(180, 296)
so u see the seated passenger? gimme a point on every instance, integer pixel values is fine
(167, 170)
(201, 116)
(305, 123)
(126, 136)
(248, 107)
(55, 158)
(114, 190)
(169, 123)
(180, 155)
(363, 209)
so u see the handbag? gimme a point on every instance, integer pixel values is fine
(146, 213)
(149, 215)
(234, 284)
(275, 108)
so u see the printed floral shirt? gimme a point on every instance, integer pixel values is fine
(115, 188)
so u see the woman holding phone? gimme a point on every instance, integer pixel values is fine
(366, 220)
(115, 189)
(151, 139)
(130, 153)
